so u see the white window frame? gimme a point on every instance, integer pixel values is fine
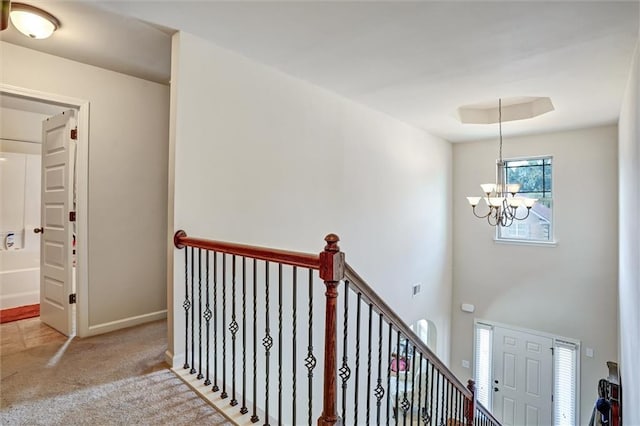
(557, 340)
(551, 242)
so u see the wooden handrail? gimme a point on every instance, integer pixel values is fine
(485, 412)
(360, 286)
(332, 270)
(303, 260)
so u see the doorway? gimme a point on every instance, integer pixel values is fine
(526, 376)
(25, 106)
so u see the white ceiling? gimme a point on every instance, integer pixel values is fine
(416, 61)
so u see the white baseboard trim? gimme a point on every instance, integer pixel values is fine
(15, 300)
(125, 323)
(174, 361)
(222, 405)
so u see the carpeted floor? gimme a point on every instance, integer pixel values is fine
(113, 379)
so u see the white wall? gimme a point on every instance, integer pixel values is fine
(629, 163)
(127, 181)
(568, 290)
(262, 158)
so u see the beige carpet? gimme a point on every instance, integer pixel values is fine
(114, 379)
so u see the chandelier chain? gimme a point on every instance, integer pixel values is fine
(500, 125)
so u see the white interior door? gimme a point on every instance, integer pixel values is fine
(56, 270)
(523, 378)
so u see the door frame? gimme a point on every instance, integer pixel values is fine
(554, 338)
(82, 194)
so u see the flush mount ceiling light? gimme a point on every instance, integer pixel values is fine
(33, 22)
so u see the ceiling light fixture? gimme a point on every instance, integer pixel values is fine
(503, 209)
(33, 22)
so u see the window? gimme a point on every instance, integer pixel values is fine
(482, 364)
(565, 383)
(426, 331)
(535, 177)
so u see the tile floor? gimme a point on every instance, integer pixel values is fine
(17, 336)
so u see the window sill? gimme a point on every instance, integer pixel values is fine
(552, 243)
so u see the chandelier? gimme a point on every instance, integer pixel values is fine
(500, 197)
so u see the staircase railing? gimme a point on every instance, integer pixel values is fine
(375, 369)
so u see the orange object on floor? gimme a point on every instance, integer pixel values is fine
(21, 312)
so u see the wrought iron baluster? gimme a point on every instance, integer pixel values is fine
(200, 375)
(413, 378)
(368, 415)
(294, 331)
(396, 407)
(448, 402)
(379, 392)
(357, 377)
(310, 360)
(405, 402)
(419, 409)
(426, 416)
(433, 380)
(244, 409)
(233, 328)
(442, 399)
(215, 387)
(279, 343)
(224, 393)
(193, 336)
(207, 316)
(344, 370)
(254, 416)
(389, 375)
(267, 342)
(186, 305)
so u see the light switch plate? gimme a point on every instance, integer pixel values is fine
(465, 363)
(589, 352)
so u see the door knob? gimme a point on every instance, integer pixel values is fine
(496, 389)
(39, 230)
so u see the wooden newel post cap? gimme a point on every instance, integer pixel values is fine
(332, 242)
(471, 385)
(331, 260)
(176, 239)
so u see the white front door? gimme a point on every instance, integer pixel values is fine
(522, 378)
(56, 243)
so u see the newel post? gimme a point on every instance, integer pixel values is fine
(471, 404)
(331, 271)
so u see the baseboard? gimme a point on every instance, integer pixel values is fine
(174, 361)
(125, 323)
(21, 312)
(15, 300)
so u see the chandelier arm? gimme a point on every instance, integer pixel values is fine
(495, 216)
(482, 216)
(522, 218)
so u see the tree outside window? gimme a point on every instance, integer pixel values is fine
(535, 177)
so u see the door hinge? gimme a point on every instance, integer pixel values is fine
(72, 298)
(74, 134)
(72, 216)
